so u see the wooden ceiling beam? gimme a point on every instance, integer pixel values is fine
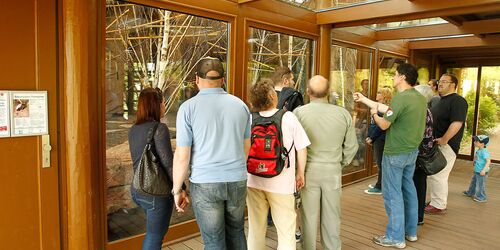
(453, 20)
(472, 27)
(397, 10)
(461, 42)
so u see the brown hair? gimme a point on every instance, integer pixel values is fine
(148, 108)
(279, 74)
(260, 95)
(434, 83)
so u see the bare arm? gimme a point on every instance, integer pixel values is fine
(486, 167)
(301, 168)
(382, 108)
(246, 147)
(180, 170)
(380, 121)
(452, 131)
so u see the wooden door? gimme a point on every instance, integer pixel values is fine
(29, 214)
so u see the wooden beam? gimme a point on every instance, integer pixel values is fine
(397, 10)
(461, 42)
(472, 27)
(453, 20)
(244, 1)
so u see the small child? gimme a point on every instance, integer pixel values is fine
(482, 163)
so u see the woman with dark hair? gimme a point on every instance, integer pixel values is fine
(158, 209)
(433, 83)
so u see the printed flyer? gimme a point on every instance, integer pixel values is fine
(29, 115)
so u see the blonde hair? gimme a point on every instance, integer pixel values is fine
(386, 93)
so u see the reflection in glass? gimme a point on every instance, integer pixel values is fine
(271, 49)
(147, 47)
(350, 72)
(408, 23)
(467, 85)
(318, 5)
(489, 109)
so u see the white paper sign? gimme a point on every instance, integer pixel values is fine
(4, 114)
(29, 113)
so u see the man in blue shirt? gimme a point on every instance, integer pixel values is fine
(213, 140)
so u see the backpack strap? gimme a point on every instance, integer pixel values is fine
(278, 119)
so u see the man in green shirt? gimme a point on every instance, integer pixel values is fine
(404, 120)
(333, 145)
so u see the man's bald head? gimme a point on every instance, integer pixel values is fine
(318, 87)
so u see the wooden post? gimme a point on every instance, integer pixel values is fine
(80, 32)
(325, 46)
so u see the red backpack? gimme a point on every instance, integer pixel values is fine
(267, 154)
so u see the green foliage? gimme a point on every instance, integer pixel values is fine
(488, 113)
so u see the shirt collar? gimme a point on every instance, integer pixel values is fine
(208, 91)
(322, 100)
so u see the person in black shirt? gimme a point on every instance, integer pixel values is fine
(449, 119)
(288, 97)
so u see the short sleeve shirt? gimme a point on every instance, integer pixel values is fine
(480, 159)
(406, 113)
(214, 124)
(293, 132)
(449, 109)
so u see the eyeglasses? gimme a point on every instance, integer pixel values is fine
(446, 82)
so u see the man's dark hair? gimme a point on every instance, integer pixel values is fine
(453, 78)
(280, 73)
(409, 71)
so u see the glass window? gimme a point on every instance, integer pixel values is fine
(271, 49)
(489, 108)
(147, 47)
(321, 5)
(467, 85)
(350, 72)
(408, 23)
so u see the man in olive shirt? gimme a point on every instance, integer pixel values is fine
(333, 145)
(404, 120)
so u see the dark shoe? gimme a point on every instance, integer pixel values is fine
(383, 241)
(298, 236)
(430, 209)
(420, 223)
(373, 191)
(466, 194)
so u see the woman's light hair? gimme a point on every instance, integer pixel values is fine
(426, 91)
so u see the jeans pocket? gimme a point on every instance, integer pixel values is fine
(146, 202)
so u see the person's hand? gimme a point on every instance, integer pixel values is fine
(358, 97)
(300, 181)
(181, 201)
(368, 141)
(483, 172)
(441, 141)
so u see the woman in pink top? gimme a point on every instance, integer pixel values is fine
(276, 192)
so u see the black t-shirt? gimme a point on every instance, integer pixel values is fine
(451, 108)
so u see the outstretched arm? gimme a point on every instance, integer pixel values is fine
(382, 108)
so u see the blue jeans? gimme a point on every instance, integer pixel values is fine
(476, 187)
(158, 212)
(400, 196)
(220, 213)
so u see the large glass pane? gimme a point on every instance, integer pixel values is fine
(467, 85)
(350, 72)
(271, 49)
(489, 108)
(387, 69)
(147, 47)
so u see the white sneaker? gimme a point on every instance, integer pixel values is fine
(411, 238)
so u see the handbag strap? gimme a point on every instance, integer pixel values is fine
(151, 134)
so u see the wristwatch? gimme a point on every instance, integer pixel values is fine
(174, 193)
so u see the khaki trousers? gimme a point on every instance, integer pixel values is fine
(321, 199)
(438, 183)
(283, 212)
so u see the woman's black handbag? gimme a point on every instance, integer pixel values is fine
(149, 176)
(431, 162)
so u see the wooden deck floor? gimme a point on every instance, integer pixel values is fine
(466, 224)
